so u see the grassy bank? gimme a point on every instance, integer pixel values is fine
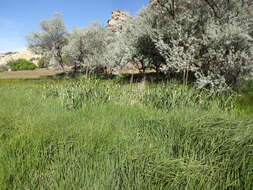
(96, 134)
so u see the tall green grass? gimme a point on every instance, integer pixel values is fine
(245, 101)
(95, 134)
(164, 96)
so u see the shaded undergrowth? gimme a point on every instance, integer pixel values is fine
(245, 100)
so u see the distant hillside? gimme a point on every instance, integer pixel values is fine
(25, 54)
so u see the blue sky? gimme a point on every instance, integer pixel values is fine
(20, 17)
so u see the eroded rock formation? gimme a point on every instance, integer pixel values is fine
(116, 23)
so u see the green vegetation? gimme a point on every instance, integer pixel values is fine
(42, 63)
(154, 133)
(51, 41)
(246, 97)
(21, 65)
(105, 134)
(3, 68)
(209, 42)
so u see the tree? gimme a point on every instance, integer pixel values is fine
(139, 45)
(86, 46)
(211, 38)
(51, 40)
(114, 53)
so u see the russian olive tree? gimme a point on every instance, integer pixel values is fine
(86, 47)
(210, 38)
(50, 41)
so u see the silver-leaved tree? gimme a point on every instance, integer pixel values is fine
(50, 41)
(212, 39)
(86, 46)
(140, 48)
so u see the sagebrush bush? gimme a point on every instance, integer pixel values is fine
(21, 65)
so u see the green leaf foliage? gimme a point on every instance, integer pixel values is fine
(43, 62)
(21, 65)
(209, 42)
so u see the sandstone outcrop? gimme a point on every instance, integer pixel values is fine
(116, 23)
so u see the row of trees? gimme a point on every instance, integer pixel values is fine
(210, 39)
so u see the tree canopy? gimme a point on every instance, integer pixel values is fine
(210, 39)
(51, 40)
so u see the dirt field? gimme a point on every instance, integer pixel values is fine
(47, 72)
(28, 74)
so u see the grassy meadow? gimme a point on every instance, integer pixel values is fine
(92, 133)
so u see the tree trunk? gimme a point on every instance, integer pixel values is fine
(144, 76)
(132, 79)
(61, 60)
(75, 67)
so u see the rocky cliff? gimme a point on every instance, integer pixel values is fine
(116, 23)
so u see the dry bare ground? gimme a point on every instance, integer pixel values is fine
(28, 74)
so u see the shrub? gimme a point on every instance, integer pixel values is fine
(43, 63)
(21, 65)
(3, 68)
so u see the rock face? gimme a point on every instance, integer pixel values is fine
(25, 54)
(153, 1)
(117, 21)
(156, 4)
